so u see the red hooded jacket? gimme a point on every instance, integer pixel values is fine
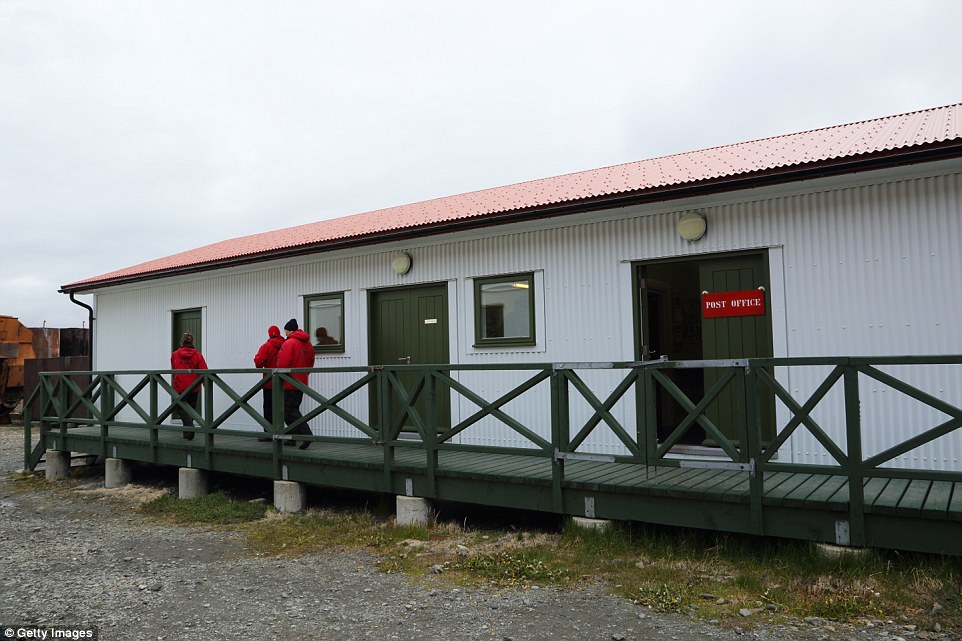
(186, 358)
(266, 356)
(296, 351)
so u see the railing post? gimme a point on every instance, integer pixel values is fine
(27, 431)
(152, 427)
(208, 382)
(381, 386)
(431, 437)
(649, 415)
(277, 422)
(856, 473)
(640, 416)
(62, 404)
(108, 401)
(752, 448)
(560, 434)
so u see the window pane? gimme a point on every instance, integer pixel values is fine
(506, 309)
(325, 321)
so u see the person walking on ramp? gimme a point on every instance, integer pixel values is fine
(187, 358)
(296, 351)
(266, 358)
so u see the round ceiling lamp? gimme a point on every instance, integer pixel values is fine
(401, 264)
(692, 226)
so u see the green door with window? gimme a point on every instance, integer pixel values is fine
(736, 336)
(409, 326)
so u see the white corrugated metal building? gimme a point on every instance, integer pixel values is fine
(853, 232)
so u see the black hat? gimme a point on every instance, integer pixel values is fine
(291, 325)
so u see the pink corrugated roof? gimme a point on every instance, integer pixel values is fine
(807, 149)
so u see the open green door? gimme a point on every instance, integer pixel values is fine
(187, 320)
(740, 336)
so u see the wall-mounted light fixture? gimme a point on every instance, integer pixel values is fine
(692, 226)
(401, 264)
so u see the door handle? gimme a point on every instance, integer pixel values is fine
(406, 359)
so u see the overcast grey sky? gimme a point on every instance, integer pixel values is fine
(133, 130)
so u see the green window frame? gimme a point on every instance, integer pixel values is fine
(504, 310)
(324, 321)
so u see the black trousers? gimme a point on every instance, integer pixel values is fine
(292, 410)
(268, 404)
(189, 399)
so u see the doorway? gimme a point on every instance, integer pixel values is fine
(409, 326)
(187, 320)
(672, 324)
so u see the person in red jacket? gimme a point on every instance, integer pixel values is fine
(187, 358)
(266, 357)
(296, 351)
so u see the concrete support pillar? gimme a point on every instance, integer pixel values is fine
(289, 496)
(116, 472)
(57, 465)
(191, 483)
(601, 525)
(412, 510)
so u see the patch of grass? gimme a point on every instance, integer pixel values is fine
(298, 534)
(26, 481)
(533, 566)
(217, 508)
(714, 576)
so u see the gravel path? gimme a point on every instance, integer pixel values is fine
(87, 557)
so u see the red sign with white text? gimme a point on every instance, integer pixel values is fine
(748, 302)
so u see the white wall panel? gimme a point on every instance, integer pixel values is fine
(861, 268)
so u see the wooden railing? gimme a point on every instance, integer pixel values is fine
(563, 412)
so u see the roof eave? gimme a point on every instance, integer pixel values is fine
(851, 164)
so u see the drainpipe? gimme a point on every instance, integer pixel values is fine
(90, 324)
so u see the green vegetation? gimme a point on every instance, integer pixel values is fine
(706, 575)
(514, 568)
(217, 508)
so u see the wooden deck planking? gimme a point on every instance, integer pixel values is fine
(825, 494)
(688, 487)
(889, 499)
(659, 483)
(940, 500)
(873, 488)
(772, 481)
(507, 466)
(628, 476)
(731, 490)
(914, 497)
(777, 494)
(631, 476)
(798, 496)
(937, 502)
(704, 490)
(955, 505)
(596, 473)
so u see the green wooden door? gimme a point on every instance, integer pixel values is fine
(737, 336)
(187, 320)
(410, 327)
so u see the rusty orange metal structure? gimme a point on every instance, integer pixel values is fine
(16, 345)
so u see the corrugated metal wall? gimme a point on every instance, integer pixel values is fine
(869, 268)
